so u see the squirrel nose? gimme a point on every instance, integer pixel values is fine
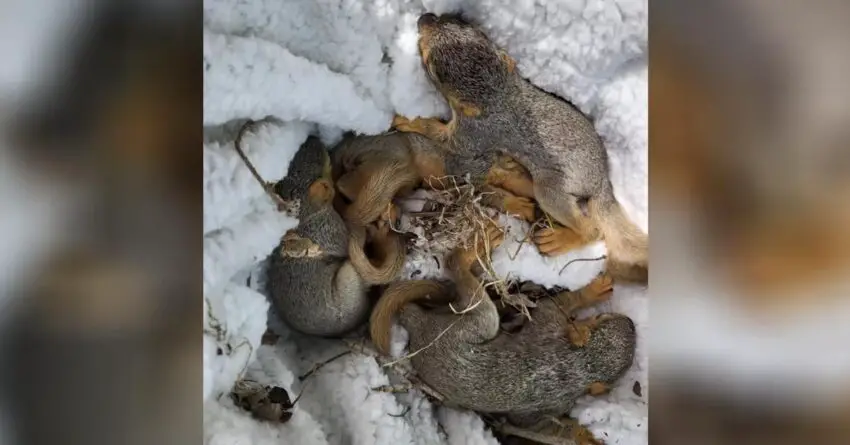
(427, 19)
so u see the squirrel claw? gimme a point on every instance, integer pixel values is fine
(554, 241)
(495, 235)
(492, 238)
(385, 223)
(399, 120)
(577, 432)
(578, 334)
(521, 206)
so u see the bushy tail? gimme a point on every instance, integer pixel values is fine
(381, 186)
(393, 300)
(395, 253)
(628, 246)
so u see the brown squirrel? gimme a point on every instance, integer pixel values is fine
(496, 114)
(319, 275)
(371, 170)
(527, 375)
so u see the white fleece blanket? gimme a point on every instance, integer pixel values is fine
(326, 66)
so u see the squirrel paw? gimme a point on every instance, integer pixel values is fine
(381, 229)
(520, 206)
(481, 244)
(554, 241)
(580, 434)
(598, 388)
(295, 246)
(389, 217)
(492, 238)
(578, 332)
(599, 289)
(555, 430)
(400, 123)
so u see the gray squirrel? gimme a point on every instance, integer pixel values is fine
(495, 114)
(319, 275)
(536, 372)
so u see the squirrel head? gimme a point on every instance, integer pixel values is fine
(462, 62)
(611, 348)
(308, 179)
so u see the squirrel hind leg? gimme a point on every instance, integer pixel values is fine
(563, 207)
(505, 201)
(509, 175)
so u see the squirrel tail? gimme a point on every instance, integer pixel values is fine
(379, 190)
(628, 246)
(395, 252)
(393, 300)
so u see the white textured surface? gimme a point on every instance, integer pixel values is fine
(323, 62)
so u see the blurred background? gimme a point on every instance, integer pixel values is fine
(100, 168)
(750, 175)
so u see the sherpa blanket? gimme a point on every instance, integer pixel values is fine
(326, 66)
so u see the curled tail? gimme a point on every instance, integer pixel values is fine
(393, 300)
(395, 252)
(628, 246)
(383, 182)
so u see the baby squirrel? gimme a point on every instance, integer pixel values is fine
(527, 375)
(371, 170)
(319, 274)
(498, 114)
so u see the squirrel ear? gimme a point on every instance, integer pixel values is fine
(321, 190)
(467, 109)
(509, 61)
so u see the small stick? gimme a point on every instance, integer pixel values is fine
(267, 186)
(424, 347)
(394, 389)
(403, 413)
(420, 385)
(581, 259)
(319, 365)
(527, 238)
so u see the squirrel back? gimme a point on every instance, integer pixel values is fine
(530, 373)
(496, 111)
(319, 274)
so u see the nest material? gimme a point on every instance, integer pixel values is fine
(449, 218)
(454, 218)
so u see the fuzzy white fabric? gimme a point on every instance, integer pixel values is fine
(349, 65)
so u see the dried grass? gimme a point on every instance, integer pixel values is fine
(454, 217)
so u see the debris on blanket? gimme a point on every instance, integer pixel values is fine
(267, 403)
(450, 218)
(523, 295)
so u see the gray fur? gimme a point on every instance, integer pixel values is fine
(532, 373)
(497, 112)
(321, 295)
(550, 137)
